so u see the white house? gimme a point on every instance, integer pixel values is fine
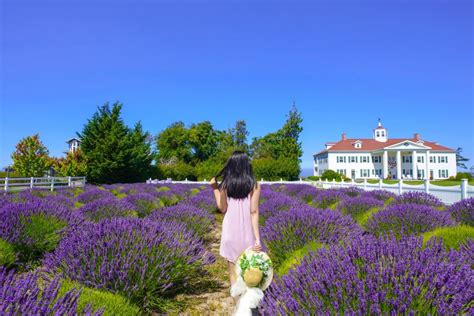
(384, 157)
(74, 144)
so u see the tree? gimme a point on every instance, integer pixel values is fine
(290, 132)
(239, 135)
(173, 144)
(114, 152)
(74, 165)
(460, 160)
(30, 158)
(204, 141)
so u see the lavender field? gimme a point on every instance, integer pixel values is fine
(128, 249)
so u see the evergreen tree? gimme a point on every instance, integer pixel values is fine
(30, 158)
(460, 159)
(114, 152)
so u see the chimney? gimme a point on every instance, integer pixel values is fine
(416, 136)
(344, 137)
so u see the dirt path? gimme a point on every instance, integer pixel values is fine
(212, 297)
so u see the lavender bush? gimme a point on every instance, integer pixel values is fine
(303, 192)
(381, 195)
(352, 191)
(23, 295)
(463, 211)
(107, 208)
(138, 258)
(370, 276)
(357, 207)
(204, 200)
(407, 219)
(412, 197)
(93, 194)
(143, 203)
(327, 198)
(288, 231)
(36, 227)
(197, 220)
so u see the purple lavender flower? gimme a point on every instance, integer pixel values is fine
(197, 220)
(29, 294)
(303, 192)
(463, 211)
(290, 230)
(406, 219)
(413, 197)
(139, 258)
(204, 200)
(93, 194)
(358, 206)
(375, 276)
(107, 208)
(382, 195)
(143, 203)
(327, 198)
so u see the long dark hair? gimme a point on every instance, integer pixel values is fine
(237, 176)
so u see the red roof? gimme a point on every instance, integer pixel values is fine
(369, 144)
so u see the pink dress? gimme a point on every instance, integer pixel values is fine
(237, 232)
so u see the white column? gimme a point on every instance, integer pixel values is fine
(399, 164)
(385, 164)
(427, 167)
(414, 164)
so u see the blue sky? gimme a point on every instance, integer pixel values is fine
(344, 63)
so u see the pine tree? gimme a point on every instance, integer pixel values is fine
(114, 152)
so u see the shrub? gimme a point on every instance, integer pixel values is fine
(303, 192)
(381, 195)
(177, 171)
(143, 203)
(110, 303)
(107, 208)
(370, 276)
(463, 211)
(276, 169)
(34, 228)
(204, 200)
(327, 198)
(453, 237)
(7, 253)
(92, 195)
(463, 175)
(138, 258)
(330, 175)
(313, 178)
(276, 202)
(196, 220)
(288, 231)
(28, 294)
(407, 219)
(412, 197)
(357, 207)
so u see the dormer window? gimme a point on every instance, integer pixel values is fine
(378, 134)
(383, 134)
(357, 144)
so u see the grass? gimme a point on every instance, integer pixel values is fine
(7, 253)
(113, 304)
(296, 256)
(453, 237)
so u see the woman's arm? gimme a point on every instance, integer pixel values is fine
(254, 204)
(220, 196)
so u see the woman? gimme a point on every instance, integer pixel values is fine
(238, 197)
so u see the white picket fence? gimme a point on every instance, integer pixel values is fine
(448, 194)
(50, 183)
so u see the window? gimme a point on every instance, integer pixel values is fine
(353, 159)
(442, 159)
(406, 159)
(443, 173)
(357, 145)
(420, 159)
(383, 134)
(341, 159)
(378, 172)
(421, 173)
(341, 171)
(376, 159)
(364, 173)
(364, 159)
(432, 159)
(378, 134)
